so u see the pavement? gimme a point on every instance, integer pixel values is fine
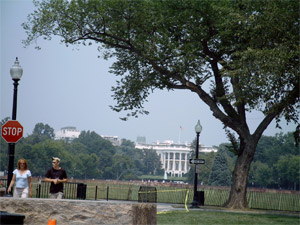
(168, 207)
(165, 207)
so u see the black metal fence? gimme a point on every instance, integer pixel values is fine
(71, 190)
(183, 194)
(3, 182)
(214, 196)
(41, 189)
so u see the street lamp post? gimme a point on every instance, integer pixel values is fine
(198, 129)
(16, 72)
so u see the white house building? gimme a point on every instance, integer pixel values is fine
(174, 157)
(67, 133)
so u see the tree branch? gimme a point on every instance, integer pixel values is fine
(276, 110)
(220, 93)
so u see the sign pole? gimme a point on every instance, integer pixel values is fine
(16, 72)
(11, 146)
(195, 203)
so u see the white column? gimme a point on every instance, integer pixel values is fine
(174, 158)
(180, 169)
(168, 166)
(162, 159)
(186, 162)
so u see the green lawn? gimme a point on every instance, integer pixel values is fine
(223, 218)
(180, 194)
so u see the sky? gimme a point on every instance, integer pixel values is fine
(70, 86)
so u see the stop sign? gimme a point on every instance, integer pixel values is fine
(12, 131)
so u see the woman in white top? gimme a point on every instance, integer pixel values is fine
(22, 178)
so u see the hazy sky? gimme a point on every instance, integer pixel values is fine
(70, 86)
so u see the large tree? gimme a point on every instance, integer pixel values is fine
(247, 50)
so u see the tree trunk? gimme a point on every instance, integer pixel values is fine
(237, 198)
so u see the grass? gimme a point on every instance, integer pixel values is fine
(179, 194)
(223, 218)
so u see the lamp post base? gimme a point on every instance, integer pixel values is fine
(195, 204)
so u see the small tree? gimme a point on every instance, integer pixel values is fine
(220, 174)
(152, 163)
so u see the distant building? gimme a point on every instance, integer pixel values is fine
(141, 140)
(174, 157)
(113, 139)
(67, 133)
(207, 149)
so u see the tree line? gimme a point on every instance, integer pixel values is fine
(87, 157)
(276, 163)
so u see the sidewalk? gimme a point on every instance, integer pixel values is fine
(165, 207)
(168, 207)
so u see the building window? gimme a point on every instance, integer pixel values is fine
(166, 165)
(176, 166)
(171, 155)
(182, 156)
(182, 166)
(166, 155)
(171, 165)
(177, 155)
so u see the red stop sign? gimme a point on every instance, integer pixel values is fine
(12, 131)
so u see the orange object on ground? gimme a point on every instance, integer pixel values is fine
(51, 222)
